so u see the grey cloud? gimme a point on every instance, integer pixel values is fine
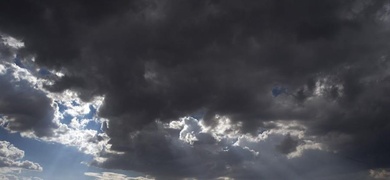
(288, 145)
(202, 61)
(168, 59)
(24, 108)
(159, 152)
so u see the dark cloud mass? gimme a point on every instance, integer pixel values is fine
(23, 107)
(161, 60)
(288, 145)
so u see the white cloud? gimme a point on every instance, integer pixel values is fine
(12, 42)
(11, 156)
(116, 176)
(228, 133)
(89, 141)
(75, 133)
(380, 173)
(16, 176)
(3, 70)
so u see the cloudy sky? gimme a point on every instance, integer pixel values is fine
(194, 89)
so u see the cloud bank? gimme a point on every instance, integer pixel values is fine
(154, 62)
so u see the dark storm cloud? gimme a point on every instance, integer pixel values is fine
(157, 152)
(166, 59)
(24, 108)
(359, 125)
(288, 145)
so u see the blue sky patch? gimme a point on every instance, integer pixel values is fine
(278, 90)
(44, 72)
(19, 63)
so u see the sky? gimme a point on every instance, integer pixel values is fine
(194, 89)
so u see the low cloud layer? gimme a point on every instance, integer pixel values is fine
(188, 148)
(154, 62)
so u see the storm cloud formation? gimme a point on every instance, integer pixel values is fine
(23, 108)
(162, 60)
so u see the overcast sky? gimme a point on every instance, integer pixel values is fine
(194, 89)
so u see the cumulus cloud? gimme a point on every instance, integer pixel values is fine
(27, 108)
(23, 107)
(10, 157)
(153, 62)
